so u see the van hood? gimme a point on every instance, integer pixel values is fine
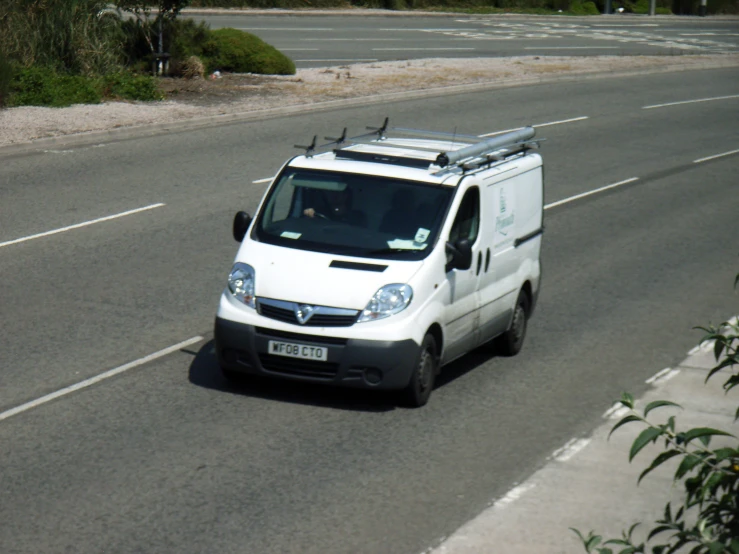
(321, 279)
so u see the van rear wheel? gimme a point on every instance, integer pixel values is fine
(511, 342)
(418, 391)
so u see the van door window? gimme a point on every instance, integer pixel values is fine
(467, 223)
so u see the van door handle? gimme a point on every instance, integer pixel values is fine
(487, 260)
(479, 262)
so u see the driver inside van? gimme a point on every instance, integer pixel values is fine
(335, 205)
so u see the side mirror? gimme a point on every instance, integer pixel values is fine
(459, 255)
(241, 225)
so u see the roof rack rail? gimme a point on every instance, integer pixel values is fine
(477, 151)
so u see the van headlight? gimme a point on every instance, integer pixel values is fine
(241, 283)
(387, 301)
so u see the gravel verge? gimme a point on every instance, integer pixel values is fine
(235, 95)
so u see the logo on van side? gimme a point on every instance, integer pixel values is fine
(503, 220)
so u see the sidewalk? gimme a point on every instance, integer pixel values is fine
(589, 484)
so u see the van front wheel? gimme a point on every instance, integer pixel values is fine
(418, 391)
(511, 342)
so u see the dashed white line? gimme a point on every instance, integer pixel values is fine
(584, 194)
(92, 380)
(514, 494)
(716, 156)
(662, 376)
(78, 225)
(690, 101)
(570, 449)
(615, 411)
(284, 29)
(266, 180)
(581, 118)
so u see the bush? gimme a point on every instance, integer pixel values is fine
(241, 52)
(40, 86)
(585, 8)
(128, 86)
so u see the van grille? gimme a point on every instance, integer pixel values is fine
(323, 316)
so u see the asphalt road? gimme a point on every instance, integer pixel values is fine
(166, 457)
(325, 40)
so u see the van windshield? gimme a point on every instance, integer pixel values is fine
(353, 215)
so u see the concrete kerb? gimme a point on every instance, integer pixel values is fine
(125, 133)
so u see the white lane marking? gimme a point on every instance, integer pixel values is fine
(92, 380)
(690, 101)
(514, 494)
(615, 411)
(298, 49)
(694, 350)
(707, 346)
(536, 126)
(584, 194)
(421, 49)
(657, 375)
(714, 157)
(83, 224)
(571, 47)
(262, 180)
(663, 376)
(570, 449)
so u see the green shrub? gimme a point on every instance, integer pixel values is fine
(42, 86)
(241, 52)
(128, 86)
(585, 8)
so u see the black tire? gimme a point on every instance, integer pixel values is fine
(511, 342)
(418, 391)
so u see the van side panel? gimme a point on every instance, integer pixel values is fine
(512, 223)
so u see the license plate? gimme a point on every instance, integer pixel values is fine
(295, 350)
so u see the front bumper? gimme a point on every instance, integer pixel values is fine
(350, 362)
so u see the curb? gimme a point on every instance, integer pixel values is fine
(125, 133)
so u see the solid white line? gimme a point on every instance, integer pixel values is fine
(536, 126)
(422, 49)
(268, 179)
(690, 101)
(584, 194)
(714, 157)
(640, 25)
(97, 378)
(571, 47)
(657, 375)
(78, 225)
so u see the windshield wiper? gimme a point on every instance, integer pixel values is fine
(392, 250)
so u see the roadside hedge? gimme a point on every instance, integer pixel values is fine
(240, 52)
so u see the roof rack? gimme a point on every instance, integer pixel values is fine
(476, 153)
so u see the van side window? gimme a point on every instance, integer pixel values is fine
(467, 223)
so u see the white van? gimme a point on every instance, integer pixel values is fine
(378, 261)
